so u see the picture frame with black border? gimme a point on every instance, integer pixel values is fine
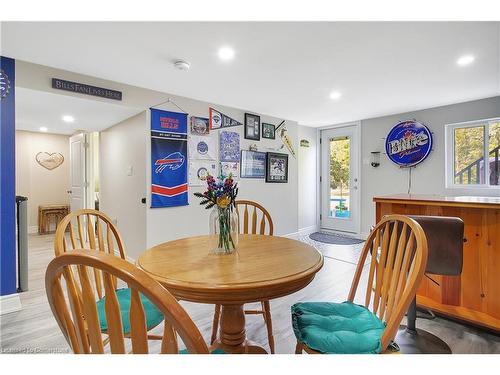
(276, 167)
(253, 164)
(252, 127)
(268, 131)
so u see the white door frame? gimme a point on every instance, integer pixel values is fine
(357, 125)
(81, 190)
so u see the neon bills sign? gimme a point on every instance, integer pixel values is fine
(408, 143)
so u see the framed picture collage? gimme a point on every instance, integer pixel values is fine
(231, 159)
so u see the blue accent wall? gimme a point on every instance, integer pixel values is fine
(7, 182)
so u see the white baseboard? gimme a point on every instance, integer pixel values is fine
(293, 236)
(308, 230)
(301, 232)
(10, 303)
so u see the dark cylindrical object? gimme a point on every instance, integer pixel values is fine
(22, 243)
(411, 316)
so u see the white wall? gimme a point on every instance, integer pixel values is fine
(429, 176)
(280, 200)
(123, 148)
(164, 224)
(307, 181)
(40, 185)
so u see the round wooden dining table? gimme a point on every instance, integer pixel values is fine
(263, 267)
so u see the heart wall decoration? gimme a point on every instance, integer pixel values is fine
(49, 160)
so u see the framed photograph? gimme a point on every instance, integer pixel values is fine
(268, 131)
(276, 167)
(252, 127)
(199, 125)
(252, 164)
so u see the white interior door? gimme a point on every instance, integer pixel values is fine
(339, 179)
(77, 188)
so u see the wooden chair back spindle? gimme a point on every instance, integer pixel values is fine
(79, 319)
(398, 249)
(257, 217)
(89, 229)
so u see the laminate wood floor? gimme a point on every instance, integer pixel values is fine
(34, 330)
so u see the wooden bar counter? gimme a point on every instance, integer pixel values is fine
(475, 295)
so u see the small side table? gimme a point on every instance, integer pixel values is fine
(49, 211)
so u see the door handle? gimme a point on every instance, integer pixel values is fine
(69, 191)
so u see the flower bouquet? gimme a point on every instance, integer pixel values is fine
(221, 196)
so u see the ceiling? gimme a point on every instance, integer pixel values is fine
(35, 109)
(284, 69)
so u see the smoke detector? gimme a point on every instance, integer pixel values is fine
(181, 65)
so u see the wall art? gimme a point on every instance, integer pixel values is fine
(229, 146)
(283, 133)
(201, 147)
(253, 164)
(230, 167)
(49, 160)
(200, 125)
(276, 167)
(219, 120)
(252, 127)
(199, 170)
(268, 131)
(408, 143)
(169, 173)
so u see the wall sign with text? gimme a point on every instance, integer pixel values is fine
(408, 143)
(81, 88)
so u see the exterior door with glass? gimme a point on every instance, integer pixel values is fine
(339, 179)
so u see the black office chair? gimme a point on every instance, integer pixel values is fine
(445, 238)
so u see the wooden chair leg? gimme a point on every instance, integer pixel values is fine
(298, 348)
(215, 324)
(269, 324)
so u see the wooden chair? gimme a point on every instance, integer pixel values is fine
(259, 228)
(88, 229)
(77, 314)
(398, 249)
(94, 230)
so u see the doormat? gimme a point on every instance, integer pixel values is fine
(334, 238)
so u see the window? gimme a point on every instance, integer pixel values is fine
(466, 146)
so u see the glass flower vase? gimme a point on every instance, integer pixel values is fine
(223, 231)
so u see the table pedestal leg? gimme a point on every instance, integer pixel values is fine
(232, 332)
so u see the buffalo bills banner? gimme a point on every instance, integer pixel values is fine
(408, 143)
(169, 173)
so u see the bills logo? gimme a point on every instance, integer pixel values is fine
(408, 143)
(172, 162)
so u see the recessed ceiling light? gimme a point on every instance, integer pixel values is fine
(465, 60)
(43, 129)
(68, 118)
(226, 53)
(335, 95)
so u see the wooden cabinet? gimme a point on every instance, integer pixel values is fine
(475, 295)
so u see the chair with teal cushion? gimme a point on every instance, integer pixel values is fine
(398, 252)
(94, 230)
(344, 328)
(153, 315)
(80, 319)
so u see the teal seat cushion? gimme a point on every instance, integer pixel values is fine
(216, 351)
(342, 328)
(153, 315)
